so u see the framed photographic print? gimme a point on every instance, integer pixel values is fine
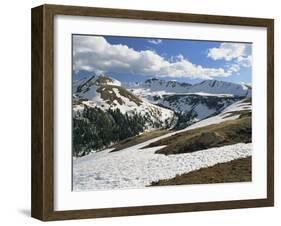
(141, 112)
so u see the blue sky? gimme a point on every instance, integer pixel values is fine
(137, 59)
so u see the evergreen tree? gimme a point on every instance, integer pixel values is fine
(94, 129)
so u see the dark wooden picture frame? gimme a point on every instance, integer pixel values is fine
(42, 203)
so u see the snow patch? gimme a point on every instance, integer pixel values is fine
(134, 168)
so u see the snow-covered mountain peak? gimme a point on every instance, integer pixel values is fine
(155, 84)
(104, 89)
(106, 80)
(207, 87)
(221, 87)
(107, 94)
(95, 80)
(219, 84)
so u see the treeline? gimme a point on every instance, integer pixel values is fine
(94, 129)
(184, 119)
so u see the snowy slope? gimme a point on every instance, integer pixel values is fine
(225, 115)
(219, 87)
(83, 86)
(106, 93)
(201, 106)
(199, 101)
(135, 167)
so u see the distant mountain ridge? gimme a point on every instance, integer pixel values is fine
(155, 84)
(191, 102)
(206, 86)
(222, 87)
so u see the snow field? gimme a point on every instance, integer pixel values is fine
(137, 168)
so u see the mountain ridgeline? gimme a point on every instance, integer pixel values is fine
(106, 112)
(207, 86)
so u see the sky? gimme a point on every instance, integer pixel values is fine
(131, 59)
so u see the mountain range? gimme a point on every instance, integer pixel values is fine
(206, 86)
(109, 111)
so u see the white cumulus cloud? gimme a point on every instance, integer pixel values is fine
(240, 52)
(155, 41)
(245, 61)
(234, 68)
(95, 54)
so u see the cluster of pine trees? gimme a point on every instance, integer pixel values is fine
(94, 129)
(184, 119)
